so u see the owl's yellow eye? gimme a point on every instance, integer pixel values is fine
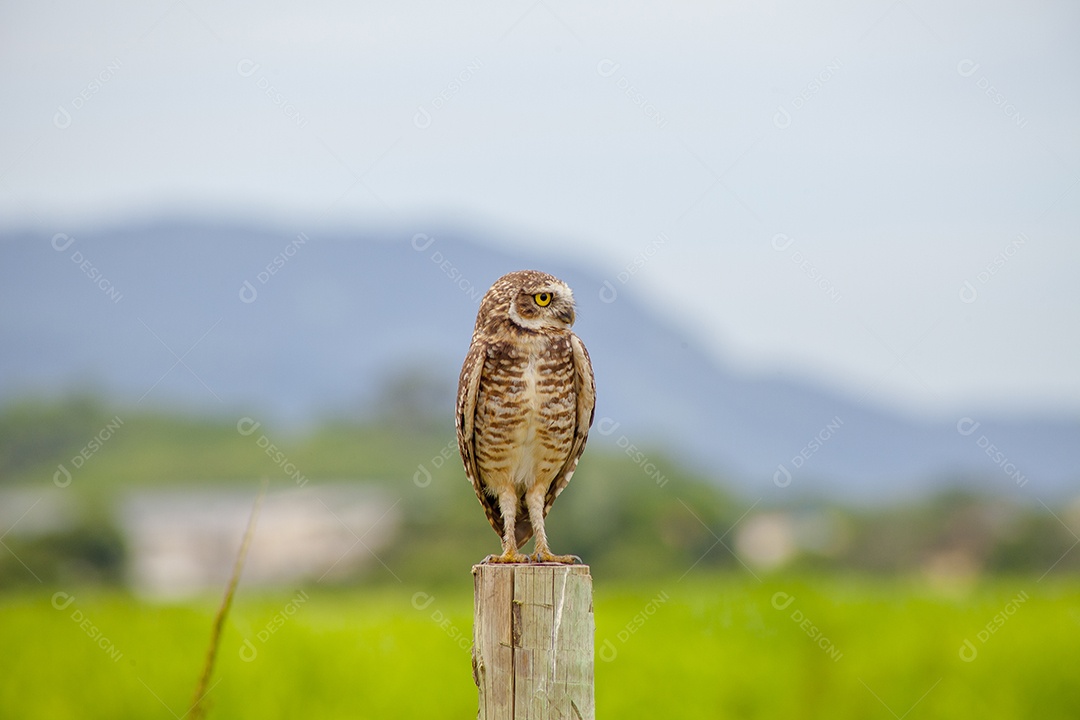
(542, 299)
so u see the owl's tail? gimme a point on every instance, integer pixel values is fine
(523, 529)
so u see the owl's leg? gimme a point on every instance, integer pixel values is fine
(534, 499)
(508, 503)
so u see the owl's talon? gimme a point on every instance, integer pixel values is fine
(547, 557)
(510, 557)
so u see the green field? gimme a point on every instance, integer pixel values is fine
(843, 630)
(704, 647)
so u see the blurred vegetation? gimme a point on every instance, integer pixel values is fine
(617, 517)
(714, 645)
(882, 600)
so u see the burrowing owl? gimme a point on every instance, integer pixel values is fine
(524, 407)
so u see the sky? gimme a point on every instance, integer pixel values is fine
(883, 197)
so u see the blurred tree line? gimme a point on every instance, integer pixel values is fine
(622, 520)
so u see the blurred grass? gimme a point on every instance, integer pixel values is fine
(713, 644)
(707, 646)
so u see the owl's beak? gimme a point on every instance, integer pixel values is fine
(567, 315)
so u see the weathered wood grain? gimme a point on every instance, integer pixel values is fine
(533, 635)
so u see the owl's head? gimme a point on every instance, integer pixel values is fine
(531, 300)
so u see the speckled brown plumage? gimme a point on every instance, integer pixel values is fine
(525, 404)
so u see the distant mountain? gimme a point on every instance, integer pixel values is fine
(290, 325)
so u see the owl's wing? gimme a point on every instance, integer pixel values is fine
(585, 391)
(468, 390)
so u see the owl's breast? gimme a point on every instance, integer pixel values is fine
(526, 415)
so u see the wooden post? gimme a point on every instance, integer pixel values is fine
(533, 642)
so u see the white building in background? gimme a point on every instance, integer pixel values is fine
(184, 542)
(773, 539)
